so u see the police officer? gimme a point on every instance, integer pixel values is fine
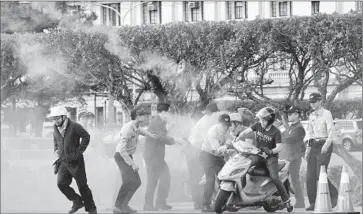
(212, 156)
(192, 152)
(319, 148)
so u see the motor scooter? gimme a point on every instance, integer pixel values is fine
(244, 186)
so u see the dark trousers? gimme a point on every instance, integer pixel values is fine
(294, 170)
(130, 182)
(157, 172)
(315, 160)
(272, 167)
(196, 173)
(211, 165)
(75, 170)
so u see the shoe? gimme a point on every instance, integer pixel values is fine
(130, 210)
(310, 208)
(163, 206)
(93, 211)
(299, 205)
(149, 208)
(77, 204)
(207, 209)
(289, 206)
(119, 211)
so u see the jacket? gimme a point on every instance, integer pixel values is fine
(155, 148)
(71, 148)
(293, 146)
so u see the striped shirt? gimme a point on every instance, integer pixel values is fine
(129, 138)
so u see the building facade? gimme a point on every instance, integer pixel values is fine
(160, 12)
(117, 13)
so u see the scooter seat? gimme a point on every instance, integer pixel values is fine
(263, 171)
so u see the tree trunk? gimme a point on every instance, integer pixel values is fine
(350, 160)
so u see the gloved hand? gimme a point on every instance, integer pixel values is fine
(267, 151)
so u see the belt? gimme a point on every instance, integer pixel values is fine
(316, 141)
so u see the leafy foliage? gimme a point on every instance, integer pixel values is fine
(17, 17)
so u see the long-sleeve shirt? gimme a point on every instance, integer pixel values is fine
(320, 124)
(215, 140)
(129, 138)
(200, 130)
(293, 142)
(155, 147)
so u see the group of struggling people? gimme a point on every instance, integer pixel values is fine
(204, 153)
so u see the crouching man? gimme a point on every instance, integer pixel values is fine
(68, 145)
(123, 156)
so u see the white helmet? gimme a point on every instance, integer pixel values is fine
(58, 111)
(236, 117)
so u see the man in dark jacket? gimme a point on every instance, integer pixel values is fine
(154, 155)
(68, 145)
(293, 150)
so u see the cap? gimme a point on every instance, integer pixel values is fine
(225, 119)
(236, 117)
(314, 97)
(212, 107)
(293, 109)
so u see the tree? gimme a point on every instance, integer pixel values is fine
(17, 17)
(338, 53)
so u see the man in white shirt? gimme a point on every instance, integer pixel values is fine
(212, 156)
(319, 148)
(123, 156)
(192, 152)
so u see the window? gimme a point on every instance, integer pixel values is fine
(359, 124)
(114, 14)
(152, 12)
(236, 10)
(315, 7)
(193, 11)
(104, 15)
(359, 6)
(109, 16)
(240, 8)
(119, 10)
(283, 8)
(273, 9)
(344, 125)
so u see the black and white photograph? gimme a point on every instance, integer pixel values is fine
(131, 107)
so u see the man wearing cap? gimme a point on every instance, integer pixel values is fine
(192, 152)
(157, 169)
(70, 142)
(293, 149)
(319, 148)
(212, 156)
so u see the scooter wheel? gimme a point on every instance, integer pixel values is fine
(270, 208)
(221, 201)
